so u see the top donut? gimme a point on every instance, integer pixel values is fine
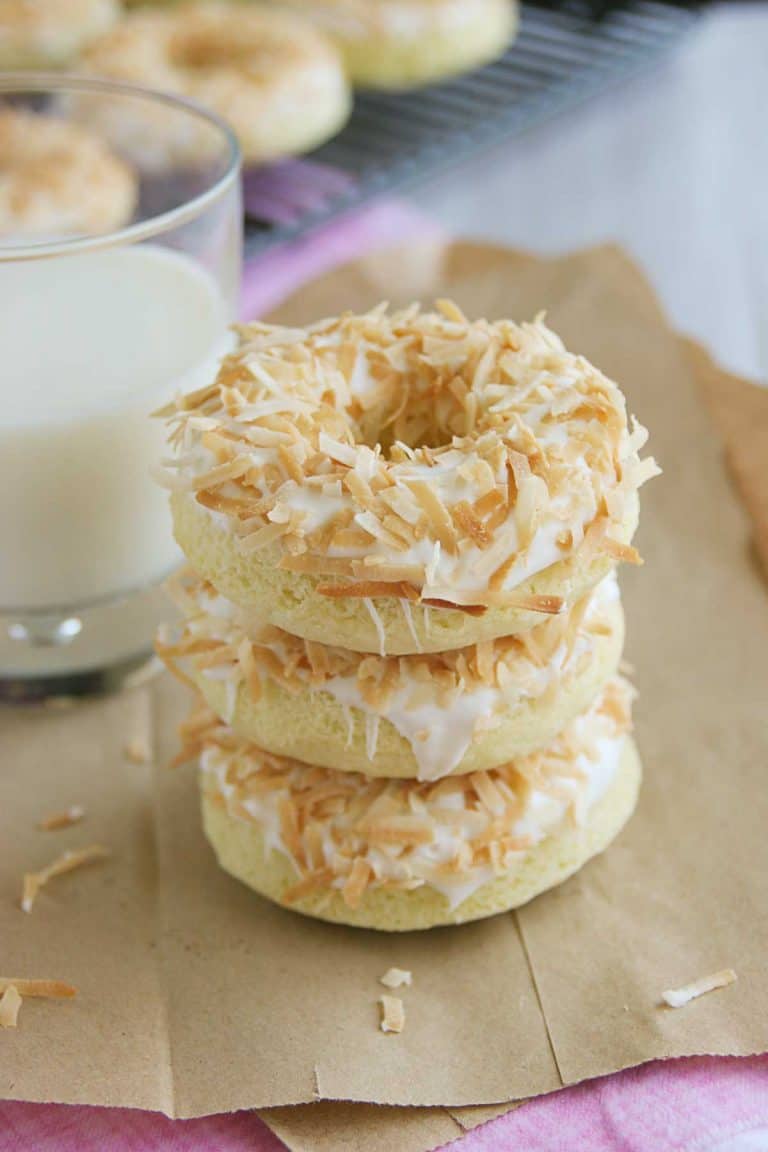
(407, 481)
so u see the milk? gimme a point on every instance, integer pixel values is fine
(89, 346)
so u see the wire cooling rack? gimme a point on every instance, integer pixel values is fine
(562, 56)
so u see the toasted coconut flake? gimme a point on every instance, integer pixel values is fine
(65, 819)
(679, 997)
(39, 989)
(67, 862)
(232, 470)
(401, 831)
(467, 609)
(619, 551)
(451, 311)
(437, 514)
(137, 751)
(250, 667)
(366, 589)
(392, 1014)
(356, 882)
(309, 885)
(10, 1004)
(470, 524)
(396, 978)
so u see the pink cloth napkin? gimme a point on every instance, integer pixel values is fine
(696, 1105)
(274, 276)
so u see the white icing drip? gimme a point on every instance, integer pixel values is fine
(440, 735)
(350, 719)
(371, 734)
(405, 604)
(378, 624)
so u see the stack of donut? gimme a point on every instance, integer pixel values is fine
(401, 614)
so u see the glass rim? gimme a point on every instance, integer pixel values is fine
(41, 82)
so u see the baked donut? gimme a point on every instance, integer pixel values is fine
(405, 43)
(276, 79)
(405, 482)
(398, 855)
(422, 716)
(58, 179)
(49, 33)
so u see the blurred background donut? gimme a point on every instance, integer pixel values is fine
(58, 179)
(276, 79)
(405, 43)
(49, 33)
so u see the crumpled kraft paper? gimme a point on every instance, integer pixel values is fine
(195, 996)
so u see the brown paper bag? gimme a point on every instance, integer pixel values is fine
(195, 996)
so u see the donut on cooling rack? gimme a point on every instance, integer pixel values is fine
(58, 179)
(422, 716)
(49, 33)
(405, 482)
(405, 43)
(276, 79)
(398, 855)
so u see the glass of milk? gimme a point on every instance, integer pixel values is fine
(96, 332)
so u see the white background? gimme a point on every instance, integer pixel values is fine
(674, 166)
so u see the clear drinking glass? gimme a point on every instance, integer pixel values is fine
(96, 332)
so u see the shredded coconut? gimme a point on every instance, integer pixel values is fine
(57, 820)
(67, 862)
(395, 978)
(392, 1014)
(679, 997)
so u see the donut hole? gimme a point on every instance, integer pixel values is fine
(421, 409)
(205, 50)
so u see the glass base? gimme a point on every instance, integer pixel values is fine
(75, 685)
(84, 652)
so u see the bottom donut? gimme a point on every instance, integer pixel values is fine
(398, 855)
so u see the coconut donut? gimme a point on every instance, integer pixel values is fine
(406, 482)
(58, 179)
(423, 716)
(405, 43)
(397, 855)
(276, 79)
(49, 33)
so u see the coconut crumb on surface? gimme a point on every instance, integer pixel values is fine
(65, 819)
(67, 862)
(678, 997)
(38, 989)
(396, 978)
(392, 1014)
(137, 751)
(10, 1003)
